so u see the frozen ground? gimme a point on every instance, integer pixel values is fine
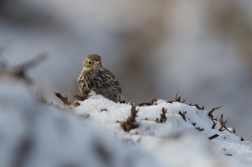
(35, 134)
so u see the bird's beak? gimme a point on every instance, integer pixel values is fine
(97, 63)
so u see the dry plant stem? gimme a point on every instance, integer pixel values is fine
(211, 111)
(183, 114)
(149, 103)
(197, 106)
(213, 137)
(133, 114)
(233, 130)
(176, 98)
(223, 124)
(228, 154)
(214, 124)
(63, 99)
(130, 122)
(162, 117)
(199, 129)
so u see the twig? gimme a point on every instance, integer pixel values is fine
(183, 114)
(197, 106)
(176, 98)
(130, 122)
(149, 103)
(214, 124)
(213, 137)
(228, 154)
(199, 129)
(223, 124)
(63, 99)
(162, 117)
(211, 111)
(233, 130)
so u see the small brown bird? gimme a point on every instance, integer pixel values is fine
(94, 76)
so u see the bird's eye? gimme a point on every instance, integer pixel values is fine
(89, 62)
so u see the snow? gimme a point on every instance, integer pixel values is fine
(33, 133)
(175, 142)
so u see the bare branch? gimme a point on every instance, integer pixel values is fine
(213, 137)
(130, 122)
(183, 114)
(162, 117)
(211, 111)
(63, 99)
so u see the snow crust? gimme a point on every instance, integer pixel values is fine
(33, 133)
(175, 142)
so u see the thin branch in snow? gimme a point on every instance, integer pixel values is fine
(130, 122)
(233, 129)
(214, 124)
(223, 124)
(210, 113)
(183, 114)
(228, 154)
(215, 119)
(133, 114)
(213, 137)
(199, 129)
(63, 99)
(176, 98)
(197, 106)
(162, 117)
(149, 103)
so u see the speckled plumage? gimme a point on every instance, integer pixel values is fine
(94, 76)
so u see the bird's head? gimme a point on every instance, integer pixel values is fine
(92, 62)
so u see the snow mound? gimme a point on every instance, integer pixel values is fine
(101, 133)
(190, 141)
(35, 134)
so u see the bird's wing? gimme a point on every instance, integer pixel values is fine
(113, 78)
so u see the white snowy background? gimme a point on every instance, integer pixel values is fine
(203, 48)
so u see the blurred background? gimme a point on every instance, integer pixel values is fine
(203, 48)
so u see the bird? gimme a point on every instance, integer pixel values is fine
(95, 77)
